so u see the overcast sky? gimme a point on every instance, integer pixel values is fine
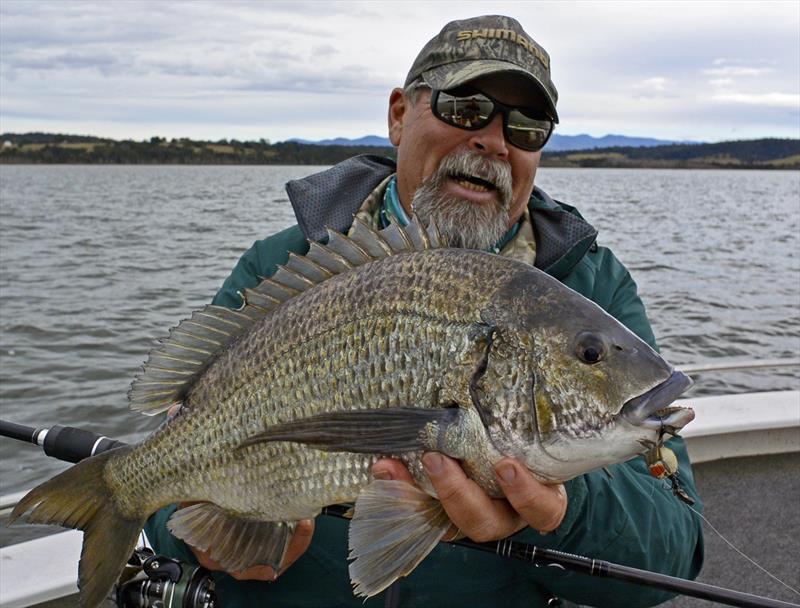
(705, 71)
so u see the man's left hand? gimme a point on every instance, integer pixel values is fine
(481, 518)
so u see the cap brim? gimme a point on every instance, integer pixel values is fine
(458, 73)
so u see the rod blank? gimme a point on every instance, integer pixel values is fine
(697, 368)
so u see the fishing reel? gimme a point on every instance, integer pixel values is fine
(155, 581)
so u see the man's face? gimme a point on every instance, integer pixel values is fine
(423, 142)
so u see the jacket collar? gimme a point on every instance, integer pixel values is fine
(332, 197)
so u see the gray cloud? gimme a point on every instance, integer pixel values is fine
(307, 69)
(325, 49)
(38, 61)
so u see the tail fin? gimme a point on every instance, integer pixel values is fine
(80, 498)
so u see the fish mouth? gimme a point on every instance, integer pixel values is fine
(652, 409)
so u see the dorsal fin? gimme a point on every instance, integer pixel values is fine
(182, 356)
(174, 366)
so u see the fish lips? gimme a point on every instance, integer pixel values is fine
(650, 409)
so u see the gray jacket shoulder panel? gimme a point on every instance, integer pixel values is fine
(332, 197)
(559, 229)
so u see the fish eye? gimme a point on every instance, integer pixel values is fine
(590, 349)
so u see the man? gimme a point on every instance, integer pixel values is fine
(476, 109)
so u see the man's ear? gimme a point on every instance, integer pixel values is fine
(398, 105)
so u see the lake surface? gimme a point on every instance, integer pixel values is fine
(98, 262)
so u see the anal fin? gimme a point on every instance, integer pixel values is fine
(234, 541)
(395, 525)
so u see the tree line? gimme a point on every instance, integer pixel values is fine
(83, 149)
(59, 149)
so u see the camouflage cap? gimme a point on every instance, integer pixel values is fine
(491, 44)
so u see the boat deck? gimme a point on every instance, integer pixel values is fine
(746, 450)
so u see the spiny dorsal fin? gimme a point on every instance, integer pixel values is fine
(174, 366)
(182, 356)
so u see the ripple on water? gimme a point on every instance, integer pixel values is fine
(136, 249)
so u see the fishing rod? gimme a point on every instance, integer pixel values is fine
(730, 365)
(73, 444)
(62, 442)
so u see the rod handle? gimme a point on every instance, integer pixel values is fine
(73, 445)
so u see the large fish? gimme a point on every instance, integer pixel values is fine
(373, 344)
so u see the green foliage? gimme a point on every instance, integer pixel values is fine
(54, 148)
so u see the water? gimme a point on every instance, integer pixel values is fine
(97, 262)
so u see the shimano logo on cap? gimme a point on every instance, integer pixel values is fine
(505, 34)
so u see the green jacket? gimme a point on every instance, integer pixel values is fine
(624, 516)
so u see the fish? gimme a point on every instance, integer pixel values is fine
(373, 344)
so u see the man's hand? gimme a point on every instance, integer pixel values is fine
(297, 546)
(481, 518)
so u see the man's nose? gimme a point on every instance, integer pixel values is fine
(490, 140)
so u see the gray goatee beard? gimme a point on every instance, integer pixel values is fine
(464, 223)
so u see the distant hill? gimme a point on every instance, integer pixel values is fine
(743, 154)
(583, 141)
(557, 142)
(367, 140)
(53, 148)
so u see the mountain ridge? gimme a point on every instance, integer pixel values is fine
(557, 143)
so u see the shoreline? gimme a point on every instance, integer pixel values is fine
(55, 149)
(543, 165)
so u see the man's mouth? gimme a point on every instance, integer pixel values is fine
(471, 182)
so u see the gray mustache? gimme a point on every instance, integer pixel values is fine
(493, 171)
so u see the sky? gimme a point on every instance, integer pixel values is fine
(698, 71)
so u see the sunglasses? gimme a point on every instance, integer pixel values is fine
(524, 128)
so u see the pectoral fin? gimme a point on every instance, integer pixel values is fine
(384, 431)
(395, 525)
(235, 542)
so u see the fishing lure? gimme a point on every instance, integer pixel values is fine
(663, 464)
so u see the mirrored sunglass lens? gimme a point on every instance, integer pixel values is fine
(466, 112)
(526, 132)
